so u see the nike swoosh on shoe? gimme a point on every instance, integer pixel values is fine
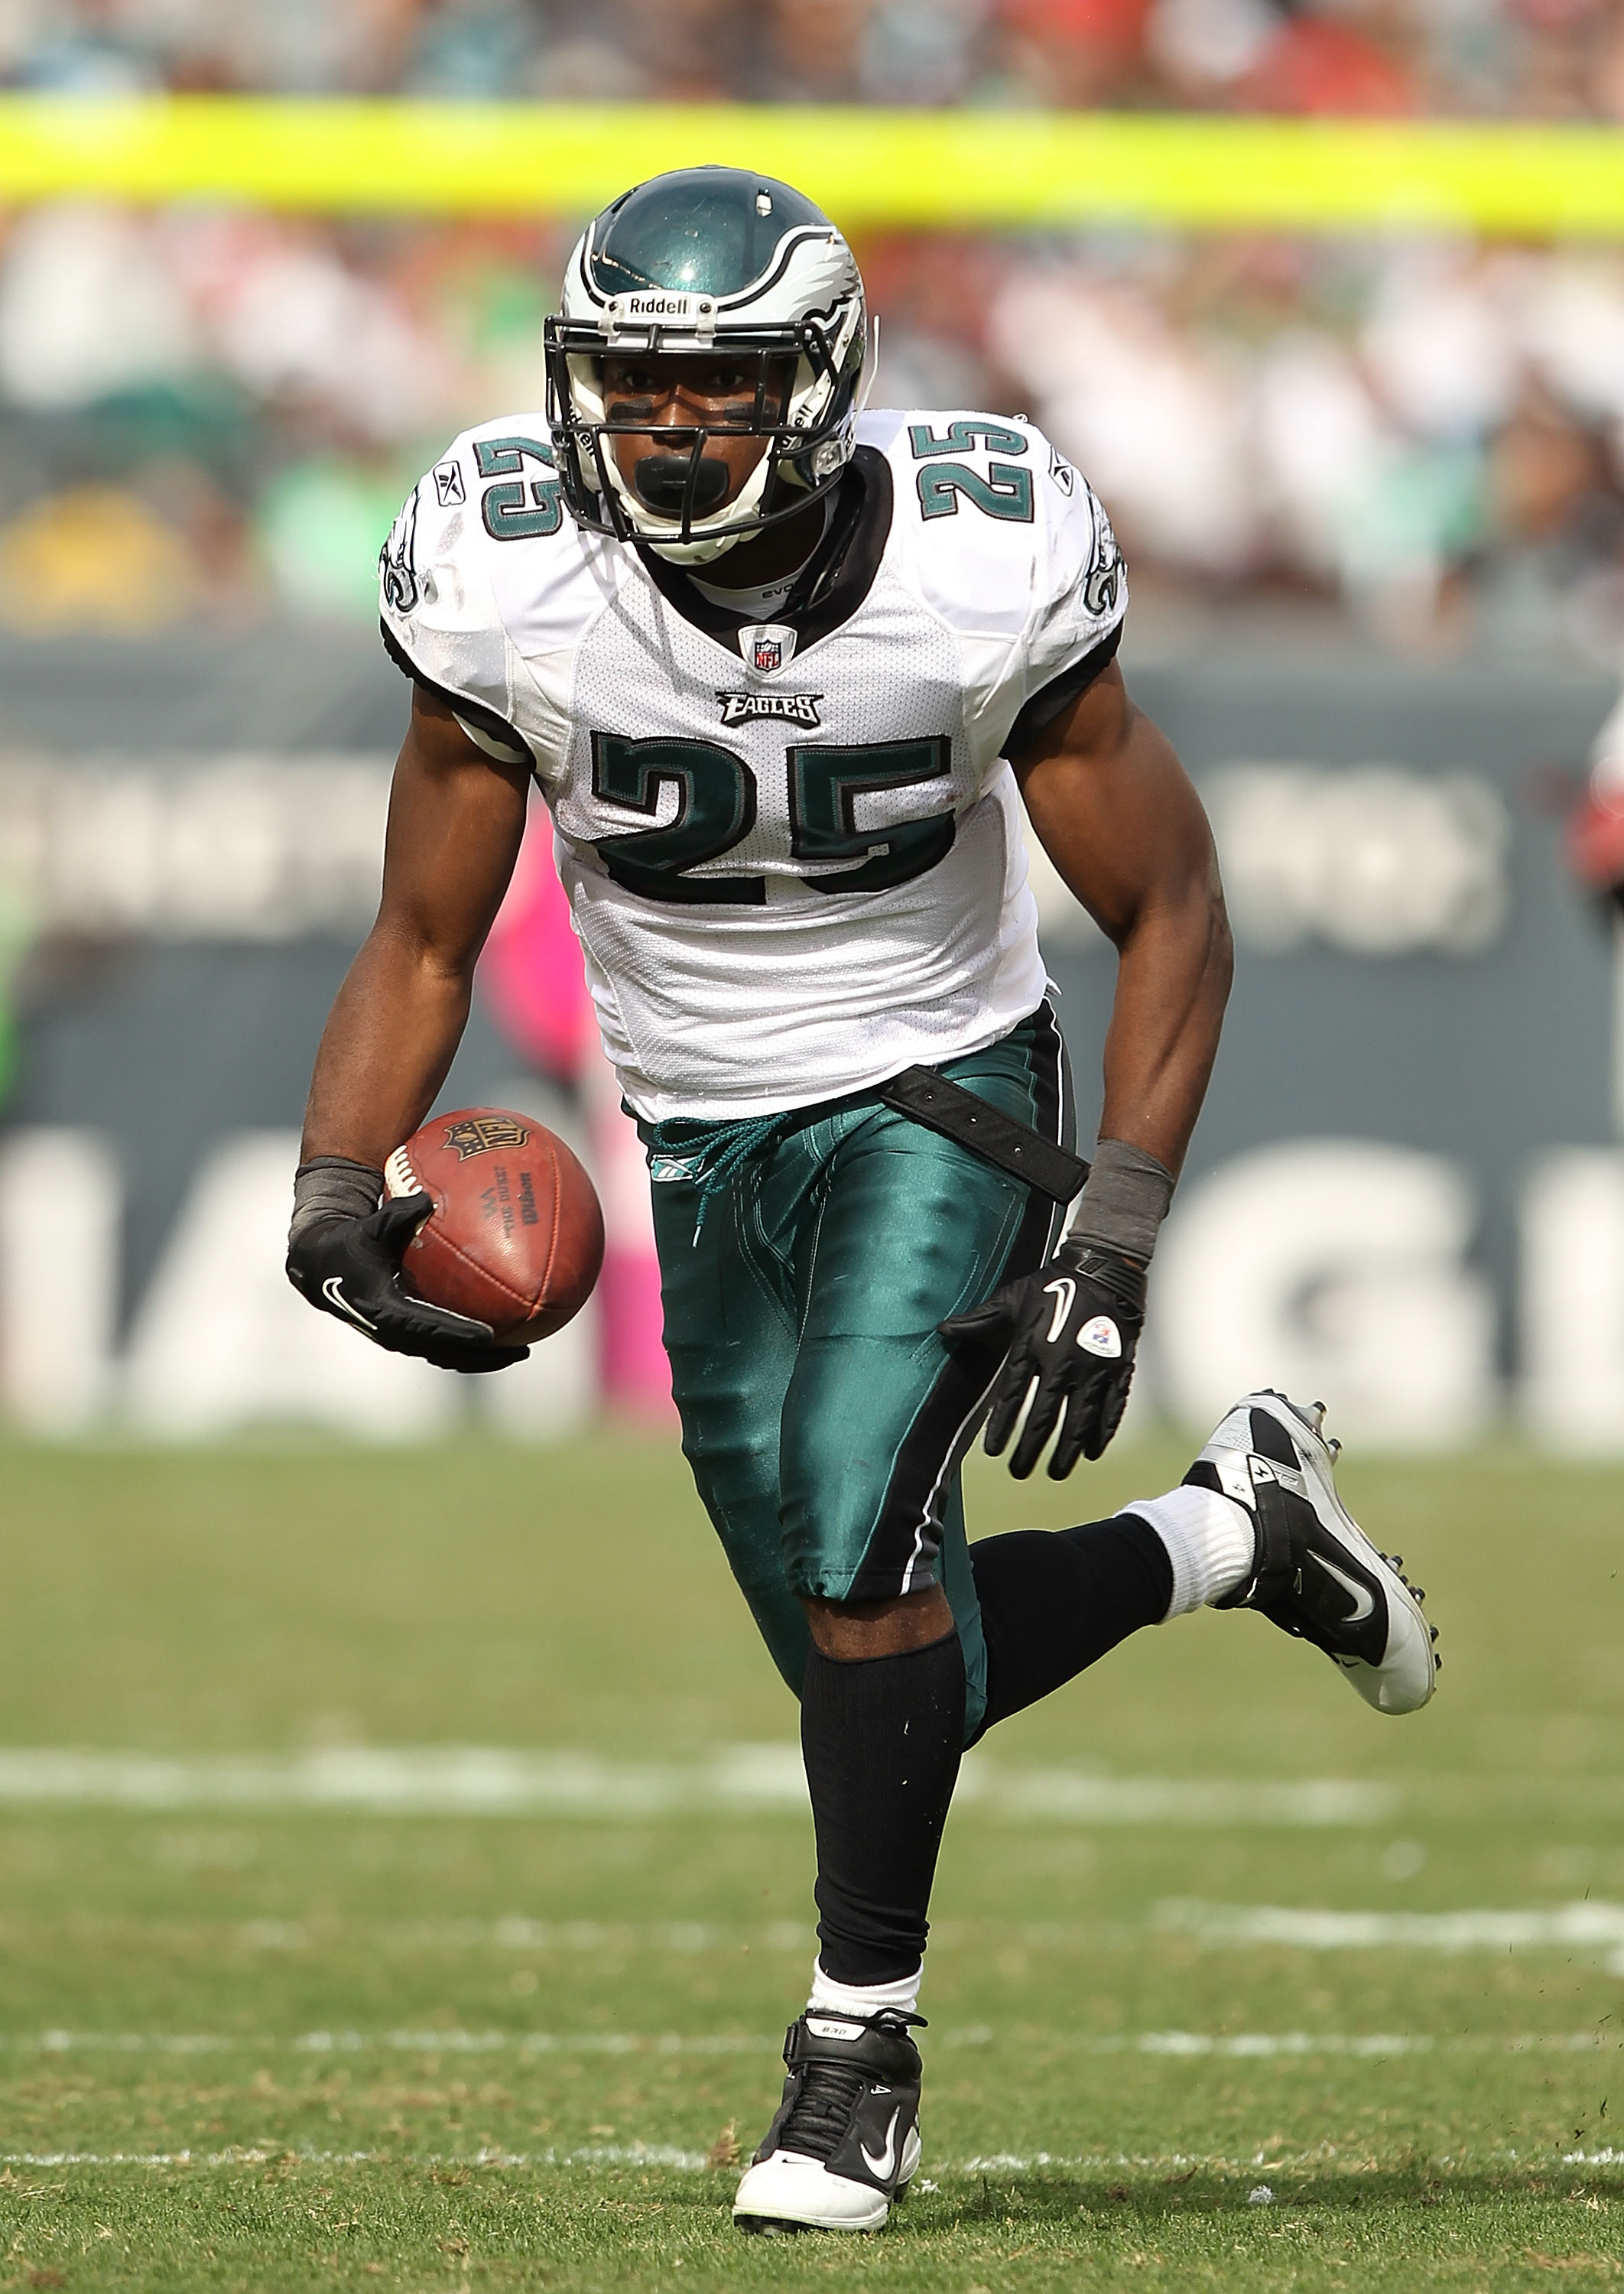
(882, 2166)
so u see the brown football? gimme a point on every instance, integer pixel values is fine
(517, 1234)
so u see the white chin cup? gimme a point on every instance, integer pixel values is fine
(661, 533)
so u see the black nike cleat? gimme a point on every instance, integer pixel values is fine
(845, 2142)
(1315, 1573)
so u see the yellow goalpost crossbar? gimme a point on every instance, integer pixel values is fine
(993, 169)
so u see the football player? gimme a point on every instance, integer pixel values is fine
(787, 673)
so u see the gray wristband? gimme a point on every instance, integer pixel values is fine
(331, 1186)
(1125, 1201)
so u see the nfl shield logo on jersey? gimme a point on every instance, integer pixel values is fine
(766, 646)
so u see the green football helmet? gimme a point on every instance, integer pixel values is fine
(707, 262)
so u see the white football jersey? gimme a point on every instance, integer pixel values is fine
(793, 854)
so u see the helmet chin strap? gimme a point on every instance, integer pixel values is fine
(702, 551)
(697, 552)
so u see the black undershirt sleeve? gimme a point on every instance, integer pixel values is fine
(474, 712)
(1046, 705)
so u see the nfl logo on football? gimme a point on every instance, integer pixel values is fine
(768, 654)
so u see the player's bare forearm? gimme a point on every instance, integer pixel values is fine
(1173, 982)
(387, 1045)
(456, 817)
(1115, 812)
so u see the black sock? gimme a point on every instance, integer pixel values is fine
(1054, 1600)
(882, 1738)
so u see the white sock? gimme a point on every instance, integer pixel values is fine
(1209, 1540)
(829, 1998)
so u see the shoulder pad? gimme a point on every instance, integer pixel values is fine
(493, 486)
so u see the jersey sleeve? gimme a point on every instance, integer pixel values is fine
(1079, 605)
(439, 617)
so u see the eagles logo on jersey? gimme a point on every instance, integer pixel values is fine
(396, 567)
(1107, 575)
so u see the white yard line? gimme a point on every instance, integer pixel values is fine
(1175, 2045)
(1065, 1795)
(740, 1780)
(414, 2043)
(1585, 1926)
(686, 1939)
(628, 2154)
(1323, 2160)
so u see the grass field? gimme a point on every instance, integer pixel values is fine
(251, 2042)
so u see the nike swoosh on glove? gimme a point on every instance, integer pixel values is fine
(1069, 1332)
(351, 1267)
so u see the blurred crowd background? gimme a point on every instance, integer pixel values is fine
(219, 414)
(1552, 59)
(214, 413)
(1371, 488)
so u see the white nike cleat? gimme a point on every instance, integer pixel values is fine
(1315, 1573)
(845, 2142)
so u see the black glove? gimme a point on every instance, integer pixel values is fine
(350, 1265)
(1072, 1327)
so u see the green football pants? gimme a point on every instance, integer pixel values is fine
(823, 1418)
